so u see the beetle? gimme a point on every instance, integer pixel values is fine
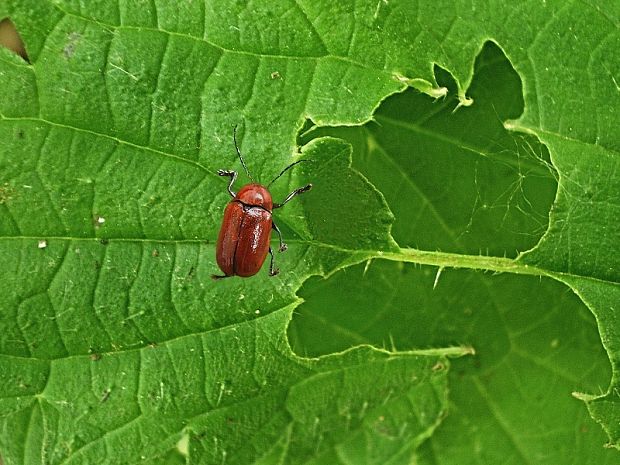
(243, 242)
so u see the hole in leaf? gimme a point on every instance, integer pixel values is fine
(460, 182)
(456, 179)
(9, 38)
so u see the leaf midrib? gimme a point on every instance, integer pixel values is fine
(409, 255)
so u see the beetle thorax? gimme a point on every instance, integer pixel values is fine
(255, 195)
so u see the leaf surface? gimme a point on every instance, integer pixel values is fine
(116, 347)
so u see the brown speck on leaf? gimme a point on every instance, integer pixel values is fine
(438, 366)
(95, 357)
(155, 253)
(6, 193)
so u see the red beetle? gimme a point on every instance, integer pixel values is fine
(243, 242)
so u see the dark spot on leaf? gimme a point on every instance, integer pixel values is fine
(19, 134)
(191, 273)
(106, 395)
(104, 241)
(155, 253)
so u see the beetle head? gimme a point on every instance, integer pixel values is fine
(255, 195)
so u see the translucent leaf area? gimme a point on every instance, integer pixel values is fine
(450, 289)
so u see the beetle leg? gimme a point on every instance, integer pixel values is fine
(298, 191)
(272, 271)
(232, 175)
(217, 277)
(283, 245)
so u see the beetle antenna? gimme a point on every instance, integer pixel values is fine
(285, 170)
(239, 153)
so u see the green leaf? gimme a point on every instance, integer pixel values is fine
(532, 346)
(117, 347)
(535, 344)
